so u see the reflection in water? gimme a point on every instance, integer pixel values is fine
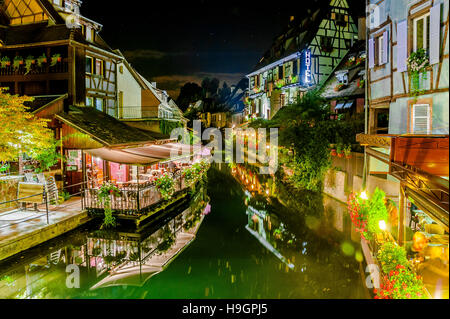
(104, 258)
(260, 242)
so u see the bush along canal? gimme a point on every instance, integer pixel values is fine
(238, 236)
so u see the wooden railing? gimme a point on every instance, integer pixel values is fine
(61, 67)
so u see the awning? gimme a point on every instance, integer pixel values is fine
(146, 155)
(165, 151)
(121, 157)
(339, 106)
(349, 105)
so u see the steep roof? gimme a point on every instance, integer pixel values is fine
(40, 102)
(304, 26)
(104, 128)
(352, 90)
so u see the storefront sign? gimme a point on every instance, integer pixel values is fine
(305, 69)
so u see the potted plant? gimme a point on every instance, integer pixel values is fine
(56, 58)
(418, 62)
(41, 60)
(361, 83)
(5, 62)
(348, 152)
(18, 61)
(339, 150)
(30, 60)
(350, 61)
(333, 152)
(339, 87)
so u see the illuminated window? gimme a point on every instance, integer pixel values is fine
(89, 101)
(99, 104)
(89, 65)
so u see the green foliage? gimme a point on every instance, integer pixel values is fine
(104, 197)
(398, 281)
(390, 255)
(63, 197)
(377, 211)
(166, 186)
(306, 129)
(47, 157)
(168, 126)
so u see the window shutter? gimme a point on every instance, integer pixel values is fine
(402, 47)
(385, 47)
(421, 119)
(435, 33)
(371, 53)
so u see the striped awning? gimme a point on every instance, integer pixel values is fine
(339, 106)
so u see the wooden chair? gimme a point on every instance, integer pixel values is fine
(26, 191)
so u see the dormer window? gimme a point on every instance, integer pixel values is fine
(340, 18)
(58, 3)
(342, 77)
(90, 34)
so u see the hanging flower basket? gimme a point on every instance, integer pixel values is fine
(333, 152)
(361, 83)
(28, 63)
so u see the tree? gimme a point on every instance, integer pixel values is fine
(189, 93)
(21, 131)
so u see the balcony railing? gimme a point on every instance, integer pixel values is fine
(61, 67)
(133, 199)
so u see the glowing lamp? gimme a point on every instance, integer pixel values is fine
(382, 225)
(364, 195)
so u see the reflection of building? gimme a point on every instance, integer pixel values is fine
(302, 57)
(118, 258)
(414, 152)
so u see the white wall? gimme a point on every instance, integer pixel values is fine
(132, 93)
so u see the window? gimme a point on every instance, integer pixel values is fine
(99, 104)
(90, 34)
(379, 50)
(89, 65)
(270, 76)
(326, 43)
(340, 18)
(421, 33)
(421, 119)
(57, 2)
(99, 67)
(89, 101)
(342, 77)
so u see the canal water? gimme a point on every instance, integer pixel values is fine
(243, 244)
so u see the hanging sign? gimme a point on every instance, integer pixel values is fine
(305, 67)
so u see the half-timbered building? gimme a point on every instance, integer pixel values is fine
(411, 147)
(302, 57)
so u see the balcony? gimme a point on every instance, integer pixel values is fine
(11, 71)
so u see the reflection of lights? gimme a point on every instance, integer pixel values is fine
(267, 192)
(364, 195)
(382, 225)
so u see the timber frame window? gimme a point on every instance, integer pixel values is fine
(421, 32)
(420, 116)
(326, 43)
(379, 49)
(89, 101)
(89, 65)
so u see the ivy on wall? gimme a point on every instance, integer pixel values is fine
(167, 127)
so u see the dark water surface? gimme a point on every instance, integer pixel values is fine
(248, 246)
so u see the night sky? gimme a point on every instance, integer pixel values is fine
(174, 42)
